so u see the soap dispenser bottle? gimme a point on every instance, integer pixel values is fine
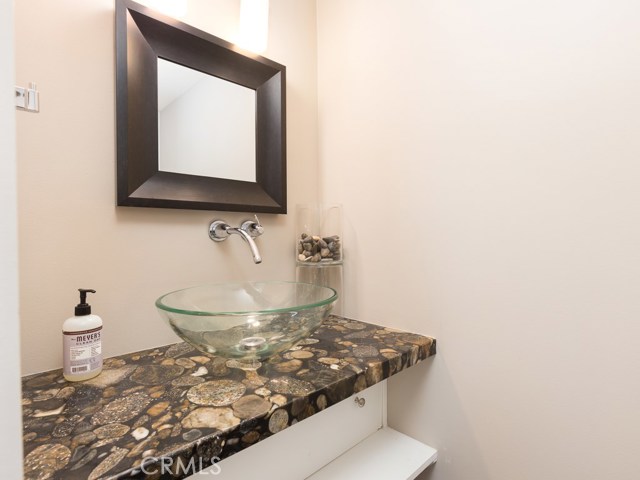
(81, 342)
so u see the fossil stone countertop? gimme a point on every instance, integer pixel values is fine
(177, 403)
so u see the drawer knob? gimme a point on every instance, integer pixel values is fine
(360, 401)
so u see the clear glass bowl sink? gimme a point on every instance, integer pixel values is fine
(246, 321)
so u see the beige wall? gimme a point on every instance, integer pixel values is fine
(71, 233)
(486, 154)
(10, 404)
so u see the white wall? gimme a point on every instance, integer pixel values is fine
(487, 157)
(10, 410)
(70, 231)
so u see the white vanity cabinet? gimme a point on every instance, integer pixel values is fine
(348, 441)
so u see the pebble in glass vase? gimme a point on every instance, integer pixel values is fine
(319, 248)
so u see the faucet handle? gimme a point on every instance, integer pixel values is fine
(252, 227)
(218, 231)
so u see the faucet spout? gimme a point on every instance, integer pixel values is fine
(247, 238)
(220, 230)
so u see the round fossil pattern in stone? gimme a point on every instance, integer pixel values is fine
(185, 362)
(191, 435)
(156, 374)
(289, 366)
(301, 354)
(112, 430)
(216, 393)
(179, 349)
(158, 408)
(290, 386)
(208, 417)
(122, 409)
(108, 463)
(140, 433)
(278, 421)
(365, 351)
(46, 459)
(186, 381)
(251, 406)
(251, 437)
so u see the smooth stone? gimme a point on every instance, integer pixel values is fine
(263, 392)
(110, 377)
(191, 435)
(208, 417)
(156, 374)
(83, 439)
(374, 373)
(299, 405)
(201, 359)
(162, 420)
(216, 393)
(321, 401)
(45, 460)
(186, 381)
(251, 406)
(279, 400)
(111, 430)
(63, 429)
(250, 437)
(278, 421)
(140, 421)
(93, 453)
(158, 408)
(290, 386)
(185, 362)
(78, 453)
(301, 354)
(150, 443)
(108, 463)
(329, 360)
(140, 433)
(289, 366)
(122, 409)
(179, 349)
(41, 381)
(360, 385)
(365, 351)
(200, 372)
(355, 326)
(66, 392)
(218, 367)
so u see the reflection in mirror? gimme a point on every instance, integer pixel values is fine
(206, 126)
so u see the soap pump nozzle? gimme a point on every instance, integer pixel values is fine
(83, 308)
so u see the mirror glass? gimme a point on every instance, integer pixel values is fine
(206, 126)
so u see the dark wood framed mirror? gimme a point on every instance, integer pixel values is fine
(145, 38)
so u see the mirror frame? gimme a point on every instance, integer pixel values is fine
(143, 36)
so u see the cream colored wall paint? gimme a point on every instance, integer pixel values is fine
(10, 405)
(486, 154)
(71, 233)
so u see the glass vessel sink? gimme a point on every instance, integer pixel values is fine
(248, 321)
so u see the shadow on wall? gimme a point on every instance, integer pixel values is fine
(440, 420)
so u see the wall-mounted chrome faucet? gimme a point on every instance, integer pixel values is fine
(219, 231)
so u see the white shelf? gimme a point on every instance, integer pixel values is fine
(385, 455)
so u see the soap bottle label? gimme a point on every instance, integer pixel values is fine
(82, 351)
